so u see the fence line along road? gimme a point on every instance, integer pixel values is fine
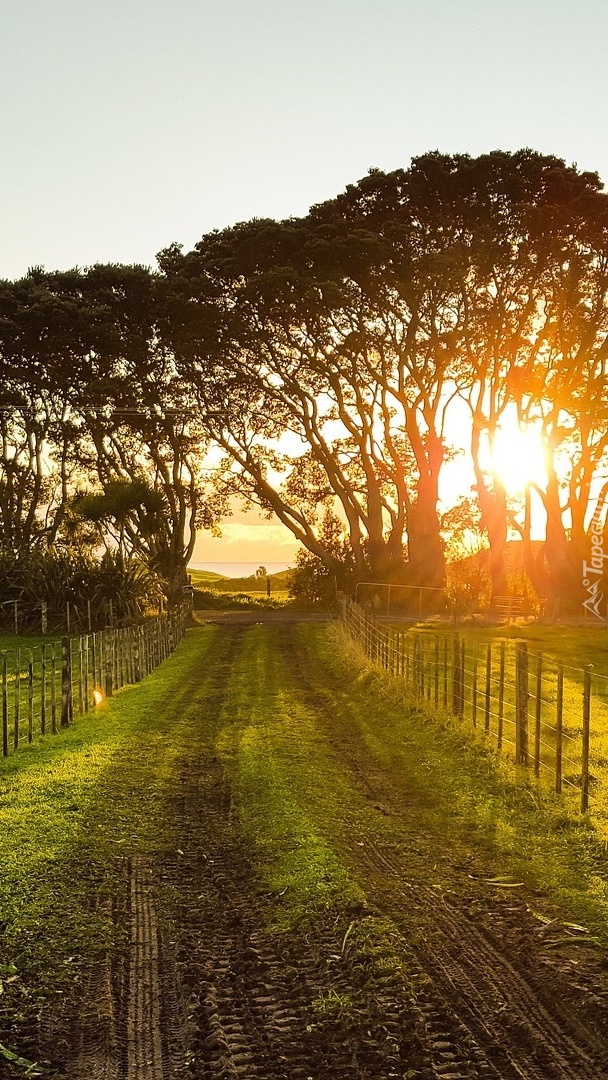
(545, 715)
(43, 687)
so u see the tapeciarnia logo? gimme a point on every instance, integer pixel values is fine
(593, 571)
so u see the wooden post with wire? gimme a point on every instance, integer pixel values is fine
(445, 672)
(559, 726)
(436, 695)
(54, 688)
(106, 651)
(538, 713)
(66, 682)
(521, 703)
(463, 659)
(586, 738)
(30, 696)
(43, 690)
(85, 656)
(16, 731)
(456, 676)
(501, 696)
(488, 694)
(81, 708)
(474, 687)
(4, 706)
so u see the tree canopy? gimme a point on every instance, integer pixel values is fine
(337, 366)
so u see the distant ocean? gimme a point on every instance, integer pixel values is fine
(239, 569)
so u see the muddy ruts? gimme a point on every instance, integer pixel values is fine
(254, 995)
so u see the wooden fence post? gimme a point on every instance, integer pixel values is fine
(463, 667)
(586, 738)
(80, 678)
(474, 687)
(54, 688)
(136, 660)
(486, 715)
(85, 653)
(66, 682)
(107, 659)
(114, 646)
(16, 732)
(94, 651)
(30, 697)
(445, 672)
(538, 713)
(521, 705)
(501, 695)
(4, 706)
(559, 726)
(456, 677)
(130, 666)
(71, 698)
(407, 664)
(436, 695)
(43, 690)
(120, 681)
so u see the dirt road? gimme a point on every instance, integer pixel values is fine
(426, 970)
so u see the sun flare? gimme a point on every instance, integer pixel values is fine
(517, 457)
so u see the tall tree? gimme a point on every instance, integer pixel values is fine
(338, 329)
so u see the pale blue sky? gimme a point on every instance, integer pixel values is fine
(127, 124)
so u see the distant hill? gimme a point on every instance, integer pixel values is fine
(203, 576)
(279, 582)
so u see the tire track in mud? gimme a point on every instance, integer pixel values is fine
(483, 1016)
(250, 992)
(131, 1019)
(144, 1046)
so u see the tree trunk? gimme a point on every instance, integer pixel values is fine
(493, 505)
(425, 548)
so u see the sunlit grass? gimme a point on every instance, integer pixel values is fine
(574, 648)
(71, 803)
(461, 793)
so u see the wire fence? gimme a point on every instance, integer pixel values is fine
(22, 616)
(44, 687)
(545, 715)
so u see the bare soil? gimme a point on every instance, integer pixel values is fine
(206, 988)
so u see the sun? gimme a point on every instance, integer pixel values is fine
(517, 456)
